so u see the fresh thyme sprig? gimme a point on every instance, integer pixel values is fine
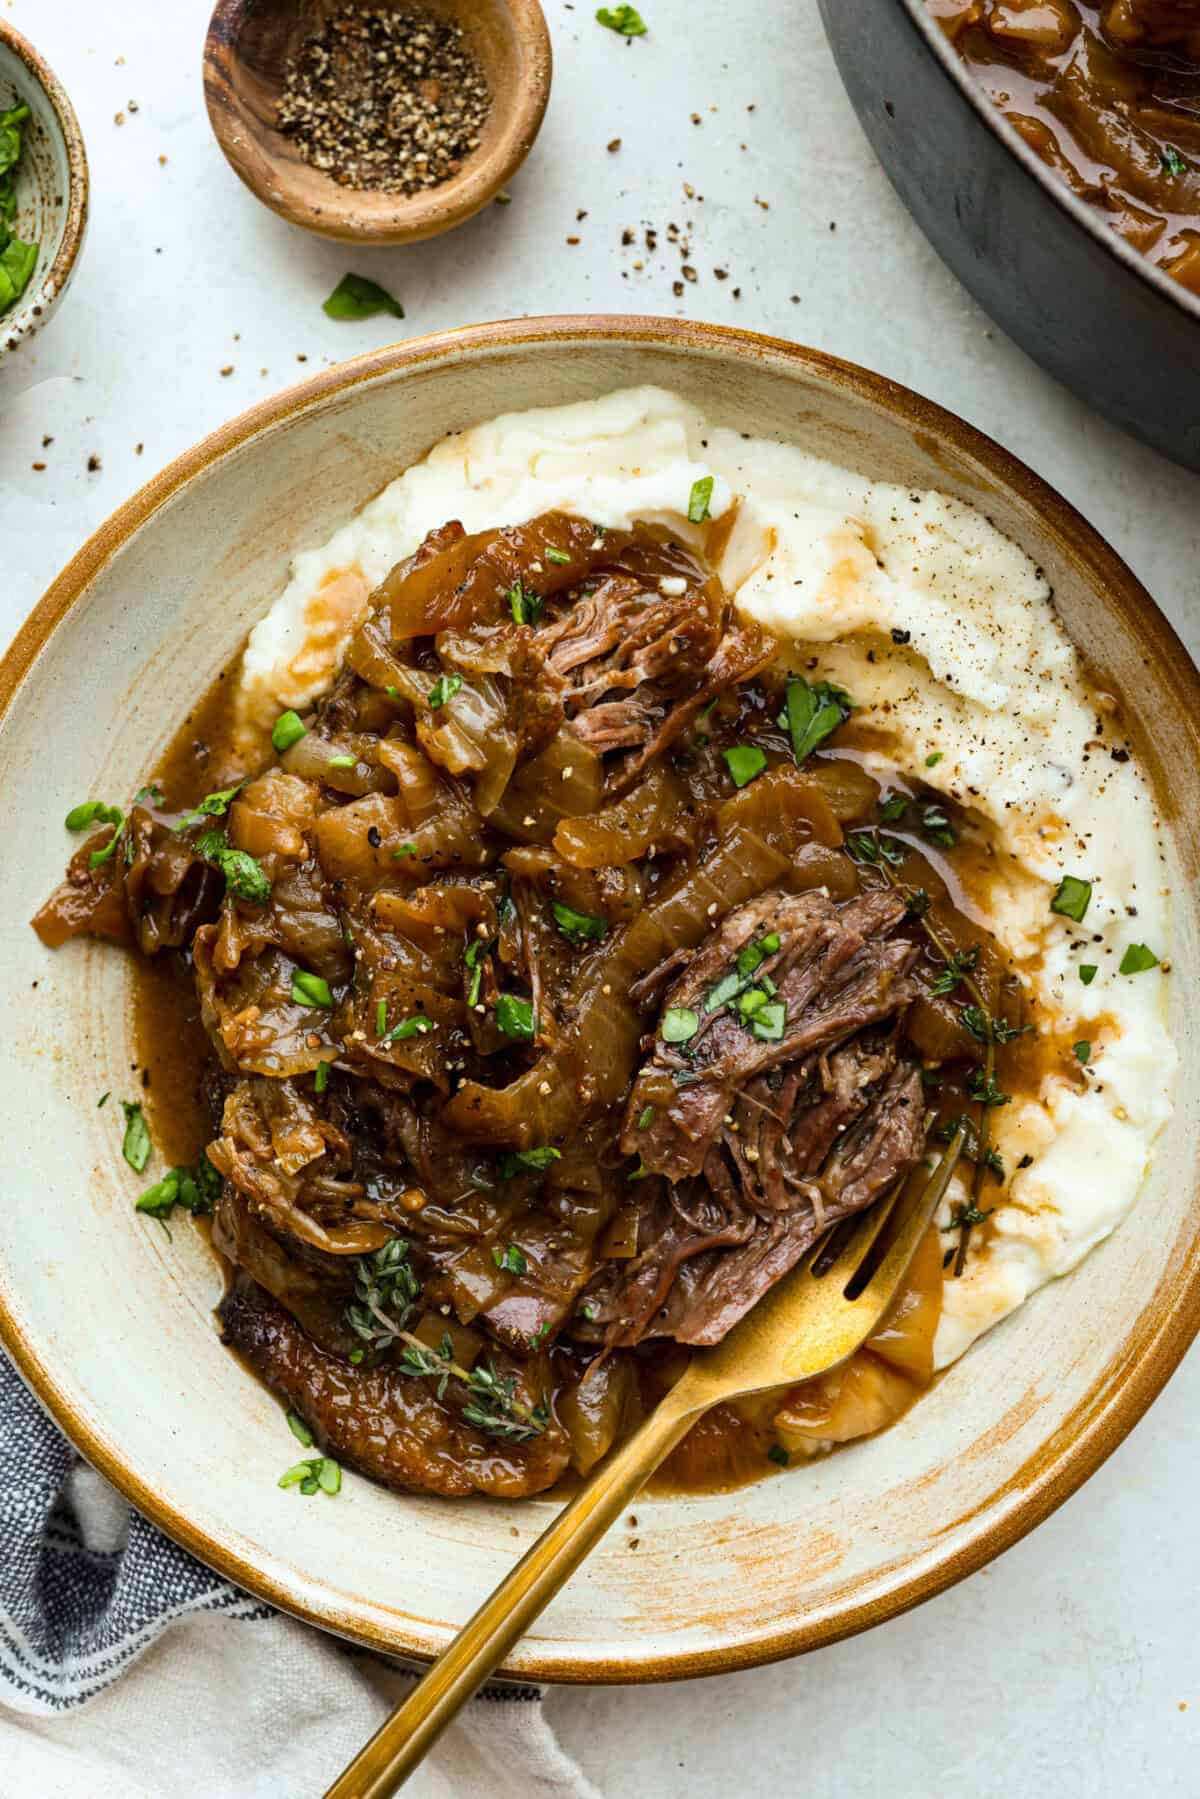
(386, 1292)
(495, 1408)
(885, 854)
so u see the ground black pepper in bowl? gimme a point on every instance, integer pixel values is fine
(387, 100)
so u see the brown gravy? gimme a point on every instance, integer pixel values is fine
(1108, 95)
(729, 1448)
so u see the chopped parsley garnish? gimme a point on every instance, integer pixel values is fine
(645, 1118)
(722, 991)
(159, 1199)
(311, 990)
(416, 1026)
(1088, 972)
(473, 957)
(319, 1474)
(17, 259)
(244, 876)
(512, 1259)
(559, 556)
(197, 1189)
(528, 1161)
(213, 805)
(751, 1001)
(769, 1021)
(96, 812)
(934, 757)
(628, 21)
(514, 1017)
(443, 689)
(745, 762)
(748, 959)
(135, 1145)
(321, 1077)
(1072, 898)
(700, 498)
(1083, 1051)
(679, 1024)
(937, 827)
(288, 729)
(753, 955)
(342, 762)
(811, 714)
(299, 1430)
(355, 297)
(578, 927)
(525, 605)
(778, 1454)
(92, 812)
(406, 849)
(1137, 959)
(1172, 161)
(381, 1018)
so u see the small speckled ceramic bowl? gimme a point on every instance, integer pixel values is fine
(51, 185)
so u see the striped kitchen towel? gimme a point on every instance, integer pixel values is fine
(124, 1662)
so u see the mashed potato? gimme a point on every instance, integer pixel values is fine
(944, 633)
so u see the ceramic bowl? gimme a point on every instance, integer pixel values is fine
(112, 1324)
(52, 185)
(246, 53)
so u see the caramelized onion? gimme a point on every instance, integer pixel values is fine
(598, 1409)
(566, 780)
(593, 1063)
(785, 807)
(455, 581)
(623, 832)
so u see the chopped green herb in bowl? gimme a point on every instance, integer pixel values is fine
(17, 258)
(43, 192)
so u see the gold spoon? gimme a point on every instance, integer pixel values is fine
(811, 1320)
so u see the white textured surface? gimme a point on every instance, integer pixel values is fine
(1063, 1668)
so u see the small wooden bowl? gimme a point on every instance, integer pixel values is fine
(249, 46)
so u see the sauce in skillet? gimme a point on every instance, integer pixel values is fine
(1109, 97)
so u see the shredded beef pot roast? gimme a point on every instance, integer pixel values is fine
(560, 988)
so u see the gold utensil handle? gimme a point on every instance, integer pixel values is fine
(401, 1744)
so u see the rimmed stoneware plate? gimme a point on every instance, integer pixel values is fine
(112, 1324)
